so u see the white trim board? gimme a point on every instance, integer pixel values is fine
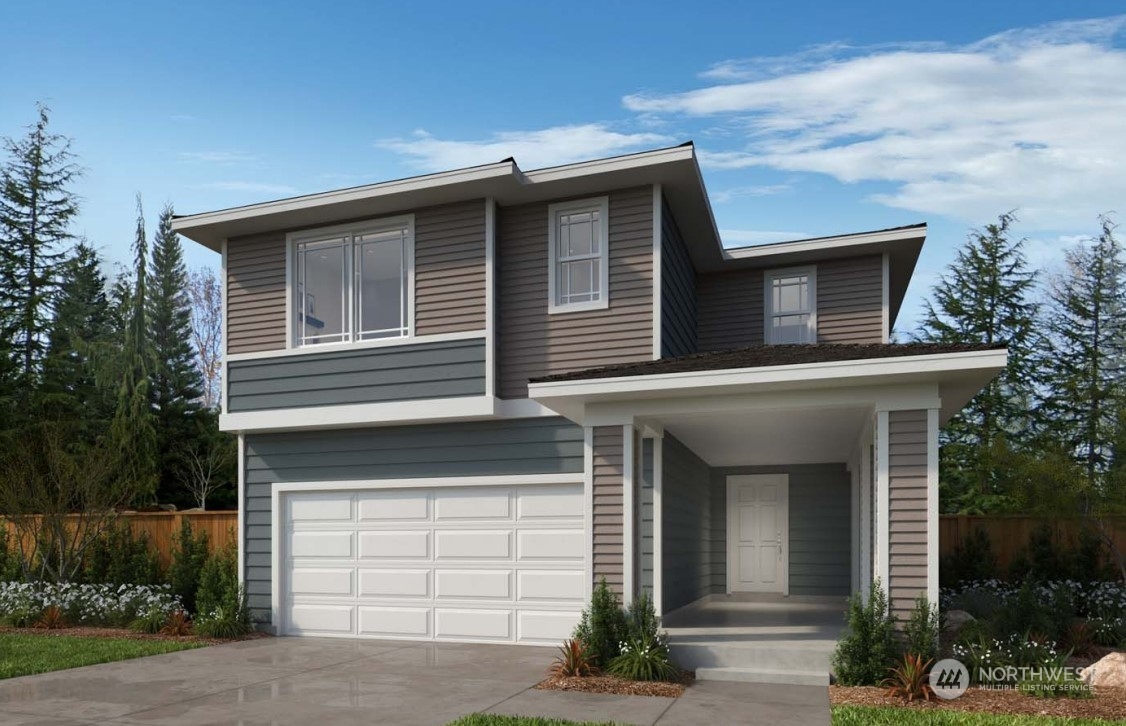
(360, 414)
(554, 211)
(932, 506)
(658, 523)
(404, 341)
(629, 486)
(490, 296)
(658, 241)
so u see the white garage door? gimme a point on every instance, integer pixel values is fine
(461, 563)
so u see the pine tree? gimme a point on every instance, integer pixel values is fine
(77, 381)
(36, 208)
(1088, 347)
(176, 384)
(132, 430)
(984, 297)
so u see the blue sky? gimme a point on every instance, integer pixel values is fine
(810, 118)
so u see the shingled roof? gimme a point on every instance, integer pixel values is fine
(760, 356)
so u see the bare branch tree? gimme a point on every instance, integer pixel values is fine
(203, 465)
(206, 294)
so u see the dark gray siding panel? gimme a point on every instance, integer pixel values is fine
(678, 291)
(368, 375)
(730, 305)
(481, 448)
(686, 573)
(820, 535)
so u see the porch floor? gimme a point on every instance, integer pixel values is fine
(768, 639)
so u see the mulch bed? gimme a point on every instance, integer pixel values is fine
(1107, 703)
(123, 633)
(617, 686)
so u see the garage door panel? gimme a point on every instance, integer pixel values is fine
(548, 502)
(551, 544)
(395, 545)
(315, 619)
(395, 622)
(327, 507)
(545, 627)
(395, 583)
(321, 545)
(475, 624)
(394, 505)
(469, 584)
(456, 503)
(321, 581)
(472, 545)
(552, 585)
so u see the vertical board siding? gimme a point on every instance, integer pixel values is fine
(730, 309)
(686, 572)
(645, 530)
(609, 521)
(678, 291)
(907, 489)
(533, 343)
(850, 300)
(256, 293)
(449, 278)
(820, 521)
(479, 448)
(449, 268)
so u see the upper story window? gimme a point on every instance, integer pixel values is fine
(791, 306)
(579, 278)
(352, 283)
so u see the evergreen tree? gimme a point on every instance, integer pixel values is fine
(77, 380)
(36, 208)
(132, 430)
(1088, 347)
(176, 385)
(984, 296)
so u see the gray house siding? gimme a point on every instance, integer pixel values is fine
(482, 448)
(678, 291)
(609, 530)
(907, 492)
(850, 306)
(820, 527)
(645, 529)
(730, 309)
(532, 343)
(256, 293)
(686, 572)
(366, 375)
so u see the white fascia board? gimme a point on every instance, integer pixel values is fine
(808, 374)
(363, 414)
(819, 244)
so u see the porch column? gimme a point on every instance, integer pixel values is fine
(606, 499)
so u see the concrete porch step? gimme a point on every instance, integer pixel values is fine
(753, 675)
(797, 658)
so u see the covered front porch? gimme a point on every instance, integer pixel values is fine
(750, 502)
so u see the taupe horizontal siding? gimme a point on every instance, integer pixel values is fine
(907, 491)
(449, 278)
(256, 293)
(730, 309)
(645, 528)
(850, 300)
(532, 343)
(686, 572)
(367, 375)
(609, 521)
(678, 291)
(449, 268)
(482, 448)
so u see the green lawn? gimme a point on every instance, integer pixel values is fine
(485, 719)
(22, 655)
(876, 716)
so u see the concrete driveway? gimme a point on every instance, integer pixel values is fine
(327, 682)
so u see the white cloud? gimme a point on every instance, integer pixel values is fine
(748, 237)
(1033, 119)
(531, 149)
(217, 157)
(249, 187)
(761, 190)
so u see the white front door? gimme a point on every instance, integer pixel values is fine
(758, 533)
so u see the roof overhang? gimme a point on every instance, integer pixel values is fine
(956, 376)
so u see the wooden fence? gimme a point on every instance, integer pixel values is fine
(1008, 534)
(162, 528)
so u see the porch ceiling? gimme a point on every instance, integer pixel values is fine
(770, 437)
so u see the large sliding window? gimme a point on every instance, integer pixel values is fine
(352, 284)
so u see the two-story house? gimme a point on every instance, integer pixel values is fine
(463, 398)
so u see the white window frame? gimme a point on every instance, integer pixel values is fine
(353, 230)
(554, 211)
(768, 306)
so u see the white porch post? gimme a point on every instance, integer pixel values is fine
(658, 529)
(629, 516)
(932, 506)
(883, 500)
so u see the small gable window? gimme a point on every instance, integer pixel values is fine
(791, 306)
(577, 236)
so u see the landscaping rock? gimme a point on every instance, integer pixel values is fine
(1107, 672)
(956, 620)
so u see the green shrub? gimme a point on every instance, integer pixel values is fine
(1027, 612)
(602, 628)
(231, 619)
(921, 630)
(971, 560)
(221, 606)
(150, 622)
(120, 558)
(1054, 683)
(641, 619)
(644, 659)
(189, 556)
(1090, 559)
(867, 648)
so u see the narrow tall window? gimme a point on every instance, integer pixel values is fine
(579, 275)
(790, 307)
(352, 286)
